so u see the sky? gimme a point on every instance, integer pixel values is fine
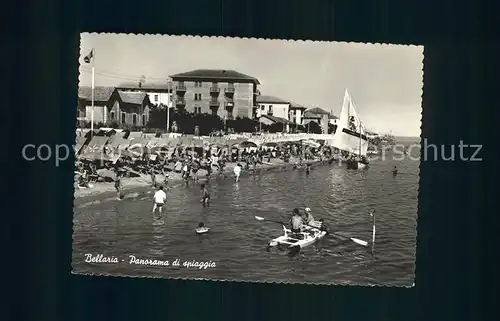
(384, 81)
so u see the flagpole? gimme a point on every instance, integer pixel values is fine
(93, 87)
(171, 87)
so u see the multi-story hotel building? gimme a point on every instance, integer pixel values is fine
(226, 93)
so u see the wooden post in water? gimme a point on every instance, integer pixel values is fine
(372, 214)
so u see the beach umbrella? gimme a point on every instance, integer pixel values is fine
(107, 173)
(247, 144)
(96, 156)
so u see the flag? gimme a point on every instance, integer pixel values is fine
(89, 57)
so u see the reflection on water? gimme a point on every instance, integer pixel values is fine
(237, 242)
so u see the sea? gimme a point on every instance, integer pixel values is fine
(236, 246)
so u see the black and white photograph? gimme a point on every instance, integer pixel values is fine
(243, 159)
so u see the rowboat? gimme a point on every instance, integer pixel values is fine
(310, 235)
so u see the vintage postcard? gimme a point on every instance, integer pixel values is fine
(247, 159)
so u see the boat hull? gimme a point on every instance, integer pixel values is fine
(307, 238)
(356, 165)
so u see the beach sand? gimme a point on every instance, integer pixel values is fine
(174, 179)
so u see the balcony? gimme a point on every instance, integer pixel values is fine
(214, 103)
(214, 90)
(229, 91)
(180, 88)
(180, 102)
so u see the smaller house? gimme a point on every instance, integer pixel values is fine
(318, 115)
(102, 96)
(272, 106)
(297, 113)
(159, 94)
(271, 120)
(332, 119)
(130, 108)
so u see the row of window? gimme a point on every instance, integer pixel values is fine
(200, 84)
(263, 107)
(199, 97)
(197, 110)
(123, 117)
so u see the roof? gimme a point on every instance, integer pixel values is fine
(132, 97)
(271, 99)
(100, 93)
(277, 119)
(215, 74)
(160, 87)
(294, 105)
(317, 111)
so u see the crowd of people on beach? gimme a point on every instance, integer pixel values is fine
(189, 163)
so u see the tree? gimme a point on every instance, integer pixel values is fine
(332, 128)
(314, 128)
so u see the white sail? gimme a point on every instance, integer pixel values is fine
(350, 135)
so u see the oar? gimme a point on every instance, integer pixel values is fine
(355, 240)
(258, 218)
(361, 242)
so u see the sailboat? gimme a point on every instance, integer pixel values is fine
(350, 136)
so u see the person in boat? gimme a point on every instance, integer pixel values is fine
(324, 226)
(205, 195)
(296, 222)
(308, 218)
(395, 171)
(308, 169)
(160, 198)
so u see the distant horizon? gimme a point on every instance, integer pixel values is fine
(384, 81)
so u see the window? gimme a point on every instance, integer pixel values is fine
(197, 96)
(134, 119)
(270, 112)
(156, 98)
(197, 110)
(262, 107)
(123, 118)
(112, 115)
(144, 120)
(197, 83)
(230, 114)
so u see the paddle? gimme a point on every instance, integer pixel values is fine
(355, 240)
(361, 242)
(258, 218)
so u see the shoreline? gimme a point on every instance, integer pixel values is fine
(133, 187)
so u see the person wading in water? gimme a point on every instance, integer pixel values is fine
(160, 198)
(205, 195)
(118, 185)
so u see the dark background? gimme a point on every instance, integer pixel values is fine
(456, 276)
